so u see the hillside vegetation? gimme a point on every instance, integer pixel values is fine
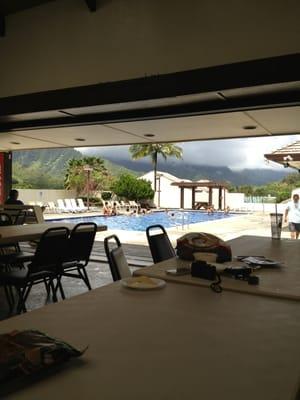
(281, 190)
(46, 169)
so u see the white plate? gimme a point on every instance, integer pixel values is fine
(143, 283)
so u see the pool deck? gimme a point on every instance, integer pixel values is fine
(256, 223)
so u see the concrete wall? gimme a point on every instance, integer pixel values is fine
(264, 207)
(61, 44)
(235, 200)
(45, 195)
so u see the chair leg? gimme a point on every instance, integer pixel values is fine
(54, 297)
(82, 272)
(23, 294)
(60, 287)
(47, 288)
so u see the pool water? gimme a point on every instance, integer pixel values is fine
(140, 223)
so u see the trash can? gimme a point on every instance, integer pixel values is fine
(276, 225)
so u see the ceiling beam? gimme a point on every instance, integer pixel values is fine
(92, 5)
(2, 26)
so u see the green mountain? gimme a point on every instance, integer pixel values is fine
(188, 170)
(42, 169)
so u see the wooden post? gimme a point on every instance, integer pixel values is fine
(5, 175)
(220, 198)
(182, 197)
(193, 198)
(210, 197)
(224, 191)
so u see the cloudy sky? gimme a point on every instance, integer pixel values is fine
(234, 153)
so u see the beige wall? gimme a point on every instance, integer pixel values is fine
(235, 200)
(61, 44)
(45, 195)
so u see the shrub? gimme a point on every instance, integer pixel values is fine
(131, 188)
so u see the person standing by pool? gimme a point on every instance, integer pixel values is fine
(292, 214)
(114, 210)
(106, 209)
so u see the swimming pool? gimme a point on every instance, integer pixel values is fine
(140, 223)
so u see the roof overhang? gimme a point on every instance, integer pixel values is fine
(200, 184)
(288, 156)
(246, 99)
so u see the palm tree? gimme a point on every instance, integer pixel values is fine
(154, 150)
(75, 177)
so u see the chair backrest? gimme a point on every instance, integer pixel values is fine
(81, 241)
(50, 249)
(20, 218)
(61, 203)
(73, 203)
(51, 205)
(5, 219)
(69, 204)
(116, 258)
(159, 243)
(81, 203)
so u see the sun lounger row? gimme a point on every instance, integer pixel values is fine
(77, 205)
(63, 205)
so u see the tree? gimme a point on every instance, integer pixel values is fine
(76, 175)
(132, 188)
(153, 151)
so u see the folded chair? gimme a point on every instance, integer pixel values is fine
(76, 255)
(117, 261)
(44, 267)
(159, 243)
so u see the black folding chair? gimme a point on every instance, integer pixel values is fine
(159, 243)
(44, 267)
(77, 253)
(116, 258)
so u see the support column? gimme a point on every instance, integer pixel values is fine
(5, 175)
(181, 197)
(193, 198)
(224, 191)
(220, 198)
(210, 197)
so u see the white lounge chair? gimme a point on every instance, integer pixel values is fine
(51, 207)
(133, 204)
(62, 207)
(123, 204)
(81, 205)
(76, 206)
(118, 204)
(70, 206)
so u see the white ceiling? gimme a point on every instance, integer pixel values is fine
(218, 126)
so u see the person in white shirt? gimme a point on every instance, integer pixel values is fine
(292, 214)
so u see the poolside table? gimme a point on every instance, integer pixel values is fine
(282, 282)
(23, 233)
(180, 342)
